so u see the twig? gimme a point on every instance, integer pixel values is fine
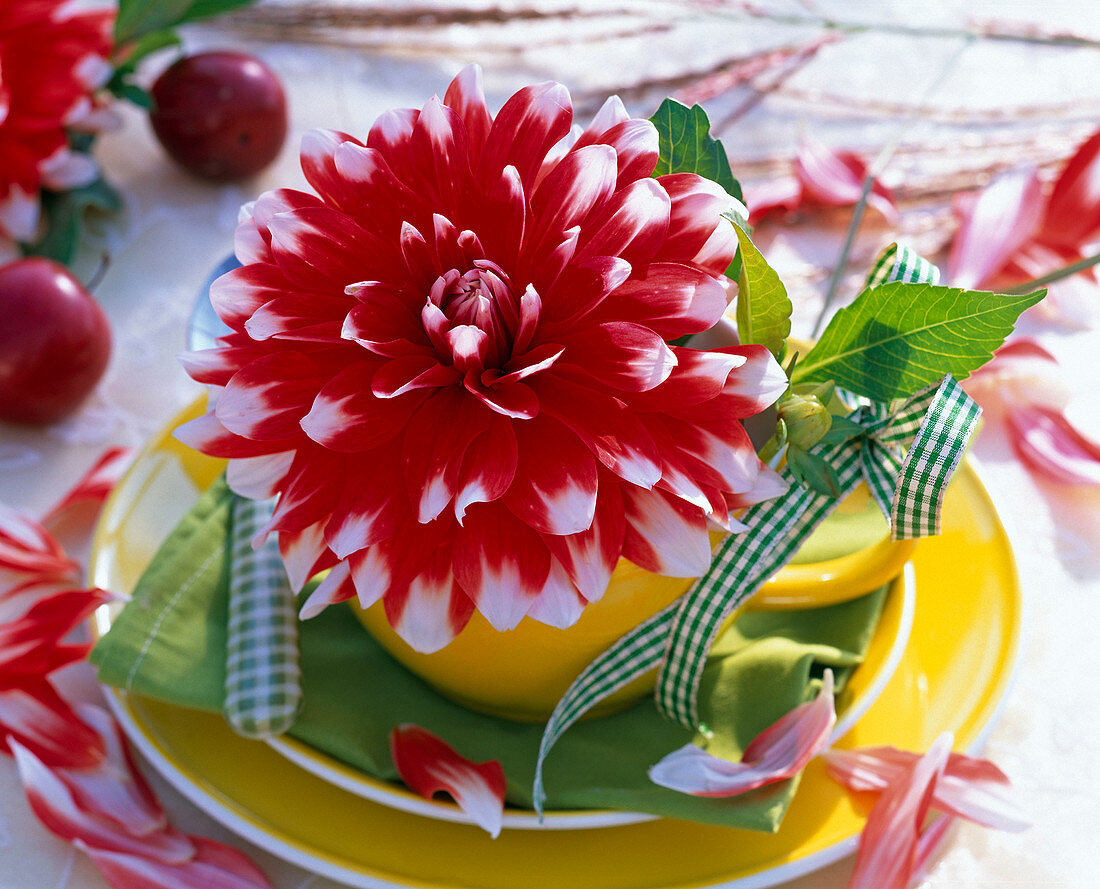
(1066, 271)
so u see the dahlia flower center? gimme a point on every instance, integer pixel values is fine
(482, 314)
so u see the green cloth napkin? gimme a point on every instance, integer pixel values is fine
(169, 643)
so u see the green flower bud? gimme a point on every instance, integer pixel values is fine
(807, 419)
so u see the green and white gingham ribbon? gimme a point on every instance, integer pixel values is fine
(263, 692)
(938, 421)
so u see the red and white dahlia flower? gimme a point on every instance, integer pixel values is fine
(452, 365)
(52, 59)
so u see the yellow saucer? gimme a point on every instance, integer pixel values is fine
(952, 677)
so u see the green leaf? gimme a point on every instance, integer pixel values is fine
(897, 338)
(149, 44)
(812, 471)
(763, 308)
(840, 430)
(64, 214)
(687, 147)
(131, 92)
(137, 18)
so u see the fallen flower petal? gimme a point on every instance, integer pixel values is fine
(970, 788)
(779, 752)
(428, 765)
(887, 856)
(34, 714)
(1051, 446)
(26, 546)
(213, 866)
(1073, 212)
(993, 225)
(57, 808)
(80, 505)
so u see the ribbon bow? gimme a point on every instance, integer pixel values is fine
(935, 425)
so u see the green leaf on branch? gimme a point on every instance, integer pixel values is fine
(812, 471)
(64, 215)
(842, 429)
(138, 18)
(763, 308)
(897, 338)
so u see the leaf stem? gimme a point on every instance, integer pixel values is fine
(873, 172)
(1066, 271)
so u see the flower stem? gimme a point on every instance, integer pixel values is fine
(1066, 271)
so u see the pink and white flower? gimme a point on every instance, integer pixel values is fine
(52, 60)
(823, 177)
(452, 363)
(779, 752)
(429, 765)
(1014, 231)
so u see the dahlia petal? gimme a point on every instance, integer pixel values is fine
(386, 326)
(1004, 216)
(82, 502)
(212, 866)
(304, 552)
(488, 467)
(669, 298)
(258, 478)
(215, 367)
(441, 156)
(1022, 374)
(371, 505)
(19, 213)
(208, 435)
(663, 534)
(1072, 216)
(372, 571)
(56, 807)
(35, 716)
(829, 177)
(779, 752)
(436, 440)
(633, 224)
(469, 347)
(250, 246)
(429, 765)
(580, 289)
(559, 604)
(554, 490)
(500, 563)
(611, 112)
(1050, 445)
(319, 247)
(286, 316)
(466, 96)
(309, 494)
(432, 609)
(30, 644)
(607, 426)
(550, 267)
(267, 398)
(381, 200)
(65, 169)
(524, 130)
(583, 180)
(637, 149)
(503, 218)
(696, 231)
(620, 354)
(336, 587)
(319, 147)
(408, 373)
(745, 380)
(771, 196)
(390, 136)
(970, 788)
(528, 365)
(888, 845)
(589, 557)
(239, 293)
(510, 399)
(26, 546)
(114, 789)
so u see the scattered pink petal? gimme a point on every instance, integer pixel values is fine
(970, 788)
(57, 808)
(779, 752)
(213, 866)
(428, 765)
(1004, 216)
(26, 546)
(931, 841)
(35, 716)
(887, 856)
(1048, 444)
(82, 503)
(1073, 212)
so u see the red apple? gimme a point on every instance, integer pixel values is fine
(221, 115)
(54, 341)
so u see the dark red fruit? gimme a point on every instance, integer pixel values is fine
(221, 115)
(54, 341)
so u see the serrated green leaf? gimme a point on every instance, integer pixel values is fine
(897, 338)
(687, 146)
(763, 308)
(812, 471)
(137, 18)
(64, 214)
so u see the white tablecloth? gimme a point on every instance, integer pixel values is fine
(174, 230)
